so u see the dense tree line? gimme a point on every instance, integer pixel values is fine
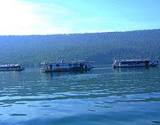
(99, 47)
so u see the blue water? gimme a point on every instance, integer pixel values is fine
(102, 96)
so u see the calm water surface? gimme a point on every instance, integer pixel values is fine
(102, 96)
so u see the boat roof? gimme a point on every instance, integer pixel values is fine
(72, 62)
(8, 65)
(132, 60)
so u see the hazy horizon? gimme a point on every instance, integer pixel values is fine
(77, 33)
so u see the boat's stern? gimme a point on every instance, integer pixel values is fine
(115, 64)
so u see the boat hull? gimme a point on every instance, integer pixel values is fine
(1, 70)
(66, 67)
(65, 70)
(11, 67)
(134, 63)
(115, 66)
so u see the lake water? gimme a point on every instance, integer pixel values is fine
(102, 96)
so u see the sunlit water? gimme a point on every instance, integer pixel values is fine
(102, 96)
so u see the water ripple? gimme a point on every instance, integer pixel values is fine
(29, 95)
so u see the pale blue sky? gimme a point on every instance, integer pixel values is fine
(77, 16)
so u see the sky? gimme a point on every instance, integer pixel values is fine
(26, 17)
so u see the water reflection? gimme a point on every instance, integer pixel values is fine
(31, 94)
(52, 75)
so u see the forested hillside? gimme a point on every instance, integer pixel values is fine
(99, 47)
